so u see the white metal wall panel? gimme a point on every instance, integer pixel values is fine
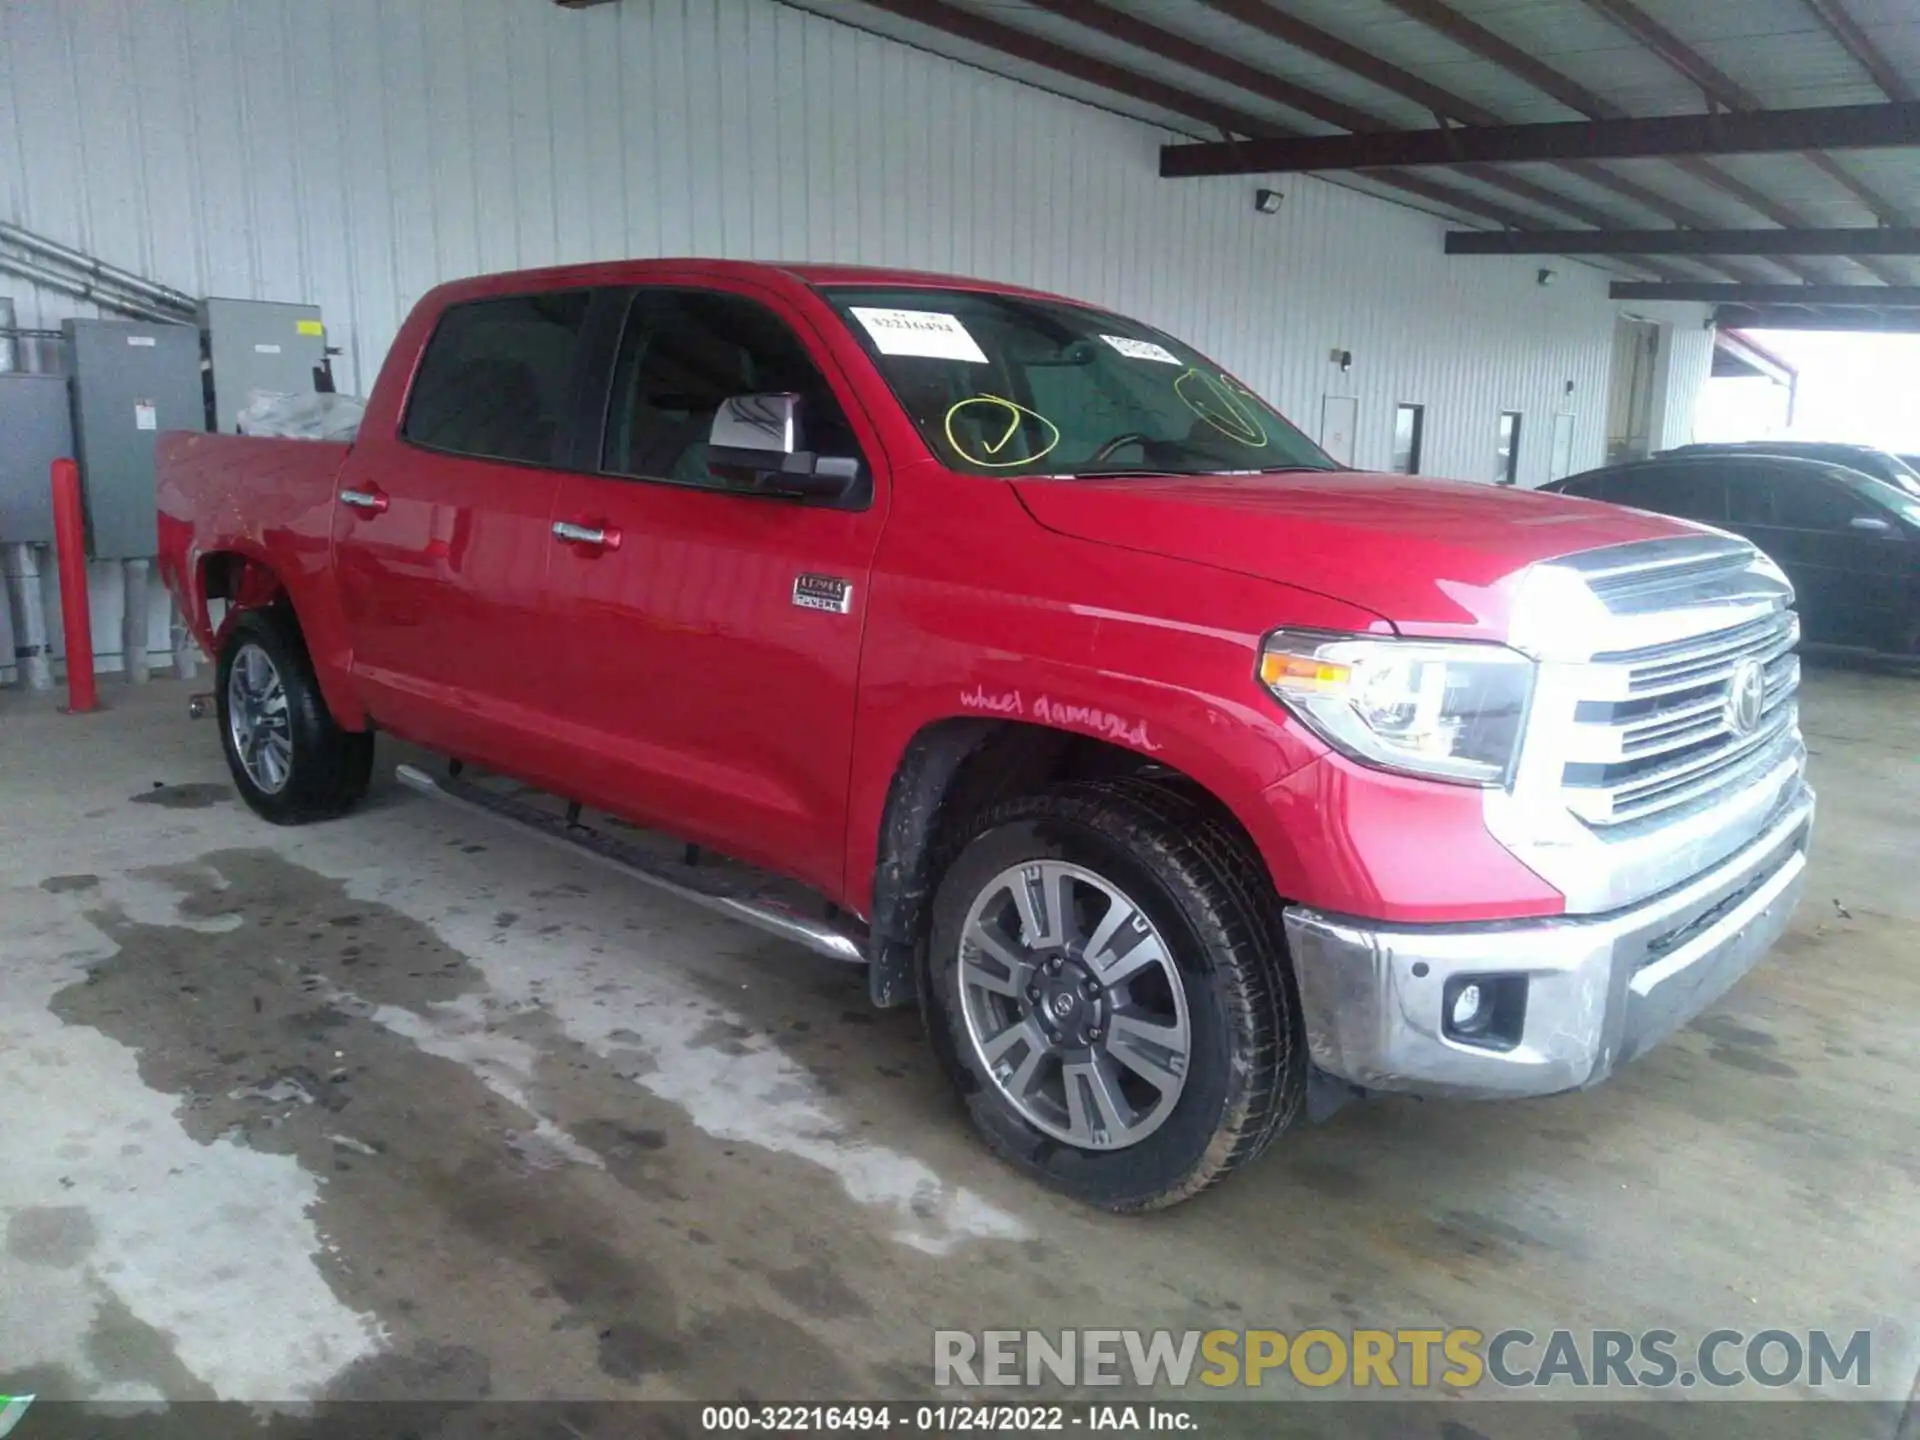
(354, 153)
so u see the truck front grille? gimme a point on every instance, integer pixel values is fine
(1655, 733)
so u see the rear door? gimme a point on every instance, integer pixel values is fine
(441, 541)
(1686, 491)
(712, 635)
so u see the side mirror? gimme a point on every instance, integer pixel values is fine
(757, 438)
(1871, 525)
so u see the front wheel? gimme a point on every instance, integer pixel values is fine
(1107, 987)
(290, 761)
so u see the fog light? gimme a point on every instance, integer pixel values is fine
(1488, 1012)
(1469, 1009)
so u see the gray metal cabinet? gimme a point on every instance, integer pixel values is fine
(131, 380)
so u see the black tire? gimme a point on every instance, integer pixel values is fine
(327, 767)
(1196, 880)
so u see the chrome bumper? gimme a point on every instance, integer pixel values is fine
(1599, 989)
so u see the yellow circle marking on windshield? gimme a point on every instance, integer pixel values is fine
(1216, 400)
(992, 448)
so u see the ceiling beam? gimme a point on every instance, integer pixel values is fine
(1873, 297)
(1384, 73)
(1814, 317)
(1856, 241)
(1856, 42)
(1748, 132)
(1443, 103)
(1473, 36)
(1714, 83)
(1156, 40)
(1720, 88)
(1036, 50)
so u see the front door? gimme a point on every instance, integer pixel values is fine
(713, 634)
(441, 539)
(1849, 583)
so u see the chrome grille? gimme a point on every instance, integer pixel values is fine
(1654, 735)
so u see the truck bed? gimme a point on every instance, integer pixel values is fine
(257, 497)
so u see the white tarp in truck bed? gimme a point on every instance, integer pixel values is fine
(302, 417)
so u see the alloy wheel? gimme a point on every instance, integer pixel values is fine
(257, 720)
(1074, 1005)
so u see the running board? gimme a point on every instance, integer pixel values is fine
(736, 900)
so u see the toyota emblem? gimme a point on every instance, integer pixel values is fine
(1746, 697)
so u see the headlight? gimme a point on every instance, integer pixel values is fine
(1450, 711)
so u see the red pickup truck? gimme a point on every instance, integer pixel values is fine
(1186, 779)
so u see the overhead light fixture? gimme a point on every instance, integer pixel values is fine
(1267, 202)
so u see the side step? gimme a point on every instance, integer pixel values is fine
(738, 901)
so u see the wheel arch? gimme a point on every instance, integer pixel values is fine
(951, 769)
(243, 579)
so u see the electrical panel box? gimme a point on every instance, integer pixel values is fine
(258, 345)
(36, 429)
(131, 380)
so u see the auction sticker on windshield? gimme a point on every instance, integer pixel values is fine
(1141, 349)
(928, 334)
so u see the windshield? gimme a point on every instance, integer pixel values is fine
(1004, 385)
(1900, 473)
(1882, 494)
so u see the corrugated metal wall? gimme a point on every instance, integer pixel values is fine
(355, 152)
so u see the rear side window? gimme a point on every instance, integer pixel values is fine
(497, 378)
(1677, 490)
(1682, 491)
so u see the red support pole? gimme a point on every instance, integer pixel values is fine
(70, 545)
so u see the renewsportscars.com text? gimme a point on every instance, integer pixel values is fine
(1412, 1358)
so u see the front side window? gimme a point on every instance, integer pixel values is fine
(497, 378)
(1863, 496)
(1006, 385)
(686, 351)
(1807, 503)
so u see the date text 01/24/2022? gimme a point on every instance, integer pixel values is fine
(946, 1419)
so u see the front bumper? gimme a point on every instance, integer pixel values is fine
(1600, 989)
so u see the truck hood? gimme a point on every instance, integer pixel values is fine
(1436, 557)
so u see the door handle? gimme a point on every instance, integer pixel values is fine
(587, 537)
(373, 501)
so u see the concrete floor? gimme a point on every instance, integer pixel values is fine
(404, 1105)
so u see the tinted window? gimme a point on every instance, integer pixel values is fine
(497, 377)
(1683, 491)
(1750, 496)
(1807, 504)
(683, 353)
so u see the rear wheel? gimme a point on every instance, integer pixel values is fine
(289, 760)
(1107, 987)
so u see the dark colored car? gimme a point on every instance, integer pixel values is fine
(1880, 464)
(1850, 543)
